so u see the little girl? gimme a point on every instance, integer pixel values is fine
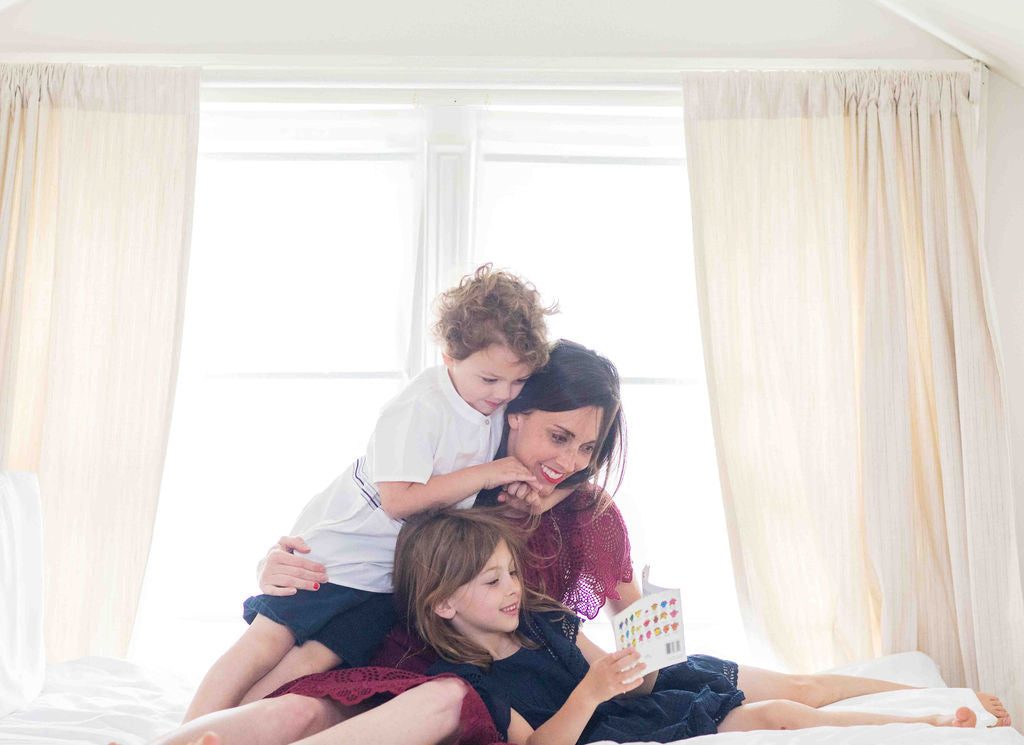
(433, 446)
(457, 578)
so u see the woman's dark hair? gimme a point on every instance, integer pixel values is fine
(576, 377)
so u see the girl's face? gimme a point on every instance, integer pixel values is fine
(554, 444)
(489, 603)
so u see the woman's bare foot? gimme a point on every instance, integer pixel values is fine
(964, 717)
(995, 707)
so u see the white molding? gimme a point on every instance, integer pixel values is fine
(490, 81)
(231, 68)
(669, 95)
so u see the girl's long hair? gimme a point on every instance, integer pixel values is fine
(574, 378)
(440, 551)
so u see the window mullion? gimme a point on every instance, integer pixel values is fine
(445, 252)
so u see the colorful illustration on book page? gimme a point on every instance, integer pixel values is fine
(653, 626)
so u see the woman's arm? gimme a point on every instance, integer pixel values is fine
(628, 592)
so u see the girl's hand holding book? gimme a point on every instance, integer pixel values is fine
(612, 675)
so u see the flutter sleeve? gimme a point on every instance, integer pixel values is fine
(582, 557)
(618, 538)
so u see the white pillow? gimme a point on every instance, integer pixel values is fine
(22, 659)
(908, 668)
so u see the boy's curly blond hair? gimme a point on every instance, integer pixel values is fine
(493, 307)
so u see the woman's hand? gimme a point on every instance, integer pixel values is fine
(281, 572)
(612, 675)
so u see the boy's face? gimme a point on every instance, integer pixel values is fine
(488, 378)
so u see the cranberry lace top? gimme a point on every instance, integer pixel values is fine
(577, 555)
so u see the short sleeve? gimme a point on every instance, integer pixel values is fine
(404, 442)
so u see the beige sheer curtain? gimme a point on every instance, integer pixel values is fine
(854, 377)
(97, 172)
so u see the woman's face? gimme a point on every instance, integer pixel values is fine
(554, 444)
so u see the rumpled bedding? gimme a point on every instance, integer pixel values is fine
(101, 700)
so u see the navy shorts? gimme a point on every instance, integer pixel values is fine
(351, 623)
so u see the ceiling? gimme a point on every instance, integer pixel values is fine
(989, 30)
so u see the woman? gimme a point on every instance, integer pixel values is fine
(566, 426)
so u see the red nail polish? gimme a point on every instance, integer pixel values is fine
(316, 585)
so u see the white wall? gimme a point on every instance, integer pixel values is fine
(1005, 239)
(603, 28)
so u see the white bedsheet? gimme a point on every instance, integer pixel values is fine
(101, 700)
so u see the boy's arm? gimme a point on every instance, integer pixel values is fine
(399, 499)
(607, 678)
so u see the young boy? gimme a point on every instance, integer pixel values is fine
(432, 446)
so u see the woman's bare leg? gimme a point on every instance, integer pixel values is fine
(812, 690)
(311, 657)
(822, 689)
(260, 648)
(782, 714)
(272, 721)
(425, 715)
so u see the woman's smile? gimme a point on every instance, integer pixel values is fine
(551, 475)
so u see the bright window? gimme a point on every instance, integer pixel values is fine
(315, 228)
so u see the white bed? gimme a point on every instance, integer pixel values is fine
(101, 700)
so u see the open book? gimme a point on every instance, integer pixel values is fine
(653, 625)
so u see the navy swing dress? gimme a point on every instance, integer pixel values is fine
(689, 699)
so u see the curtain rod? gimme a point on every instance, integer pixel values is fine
(217, 65)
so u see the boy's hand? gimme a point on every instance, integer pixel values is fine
(521, 497)
(612, 675)
(505, 471)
